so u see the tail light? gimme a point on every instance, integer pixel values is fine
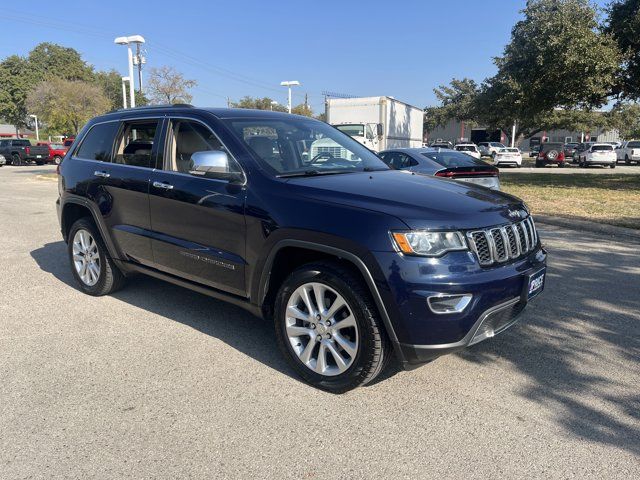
(27, 150)
(561, 156)
(466, 173)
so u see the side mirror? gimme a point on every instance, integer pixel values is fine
(379, 130)
(213, 164)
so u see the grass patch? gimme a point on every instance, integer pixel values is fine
(611, 199)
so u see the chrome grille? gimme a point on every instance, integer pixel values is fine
(503, 243)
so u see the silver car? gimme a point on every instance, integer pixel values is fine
(3, 160)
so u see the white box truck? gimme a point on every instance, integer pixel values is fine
(379, 123)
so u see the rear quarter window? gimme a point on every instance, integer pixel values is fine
(452, 159)
(97, 144)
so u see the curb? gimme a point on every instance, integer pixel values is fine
(588, 226)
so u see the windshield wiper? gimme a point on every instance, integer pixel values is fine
(313, 173)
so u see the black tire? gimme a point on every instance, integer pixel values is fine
(111, 278)
(613, 165)
(57, 160)
(626, 160)
(561, 164)
(16, 160)
(374, 349)
(39, 163)
(539, 164)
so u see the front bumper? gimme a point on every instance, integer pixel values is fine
(496, 303)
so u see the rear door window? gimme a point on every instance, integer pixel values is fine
(98, 142)
(452, 159)
(135, 143)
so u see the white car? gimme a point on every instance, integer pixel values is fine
(489, 149)
(508, 156)
(629, 152)
(599, 154)
(3, 160)
(469, 149)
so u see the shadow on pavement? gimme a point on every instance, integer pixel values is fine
(246, 333)
(589, 313)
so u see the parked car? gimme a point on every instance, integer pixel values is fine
(441, 144)
(57, 151)
(569, 149)
(580, 150)
(629, 152)
(20, 151)
(469, 149)
(508, 156)
(599, 154)
(551, 154)
(489, 149)
(534, 151)
(354, 262)
(3, 160)
(68, 142)
(444, 163)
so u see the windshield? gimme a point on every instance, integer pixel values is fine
(602, 148)
(499, 145)
(352, 130)
(452, 159)
(295, 146)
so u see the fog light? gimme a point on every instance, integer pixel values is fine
(449, 303)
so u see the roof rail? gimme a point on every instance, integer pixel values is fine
(151, 107)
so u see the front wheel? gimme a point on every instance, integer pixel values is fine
(329, 329)
(57, 159)
(92, 267)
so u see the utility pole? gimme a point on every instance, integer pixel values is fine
(139, 60)
(228, 102)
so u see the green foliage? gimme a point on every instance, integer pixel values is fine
(48, 60)
(16, 80)
(302, 109)
(65, 105)
(264, 103)
(625, 117)
(624, 26)
(457, 102)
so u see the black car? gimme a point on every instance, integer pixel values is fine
(289, 218)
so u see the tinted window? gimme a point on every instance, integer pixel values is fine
(451, 159)
(4, 143)
(399, 160)
(135, 143)
(465, 148)
(633, 144)
(499, 145)
(552, 146)
(602, 148)
(98, 142)
(21, 143)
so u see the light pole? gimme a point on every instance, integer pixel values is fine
(128, 41)
(124, 91)
(289, 84)
(35, 117)
(273, 104)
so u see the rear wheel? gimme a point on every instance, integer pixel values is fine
(91, 265)
(39, 163)
(16, 160)
(329, 329)
(613, 165)
(626, 160)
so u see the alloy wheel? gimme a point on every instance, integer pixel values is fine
(321, 329)
(86, 258)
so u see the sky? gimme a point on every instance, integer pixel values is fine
(235, 48)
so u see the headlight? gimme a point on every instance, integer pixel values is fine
(430, 244)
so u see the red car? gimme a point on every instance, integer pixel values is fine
(56, 151)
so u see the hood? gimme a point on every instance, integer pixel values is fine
(420, 201)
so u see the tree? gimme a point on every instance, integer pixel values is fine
(65, 105)
(457, 102)
(166, 85)
(558, 58)
(264, 103)
(16, 80)
(302, 109)
(623, 24)
(48, 60)
(625, 117)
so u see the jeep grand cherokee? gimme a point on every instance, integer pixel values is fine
(298, 223)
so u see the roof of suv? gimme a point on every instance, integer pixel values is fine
(217, 112)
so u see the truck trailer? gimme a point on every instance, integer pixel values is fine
(379, 123)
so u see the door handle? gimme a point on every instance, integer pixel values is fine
(103, 174)
(166, 186)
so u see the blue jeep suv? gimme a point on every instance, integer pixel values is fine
(298, 223)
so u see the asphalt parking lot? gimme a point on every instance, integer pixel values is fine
(157, 381)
